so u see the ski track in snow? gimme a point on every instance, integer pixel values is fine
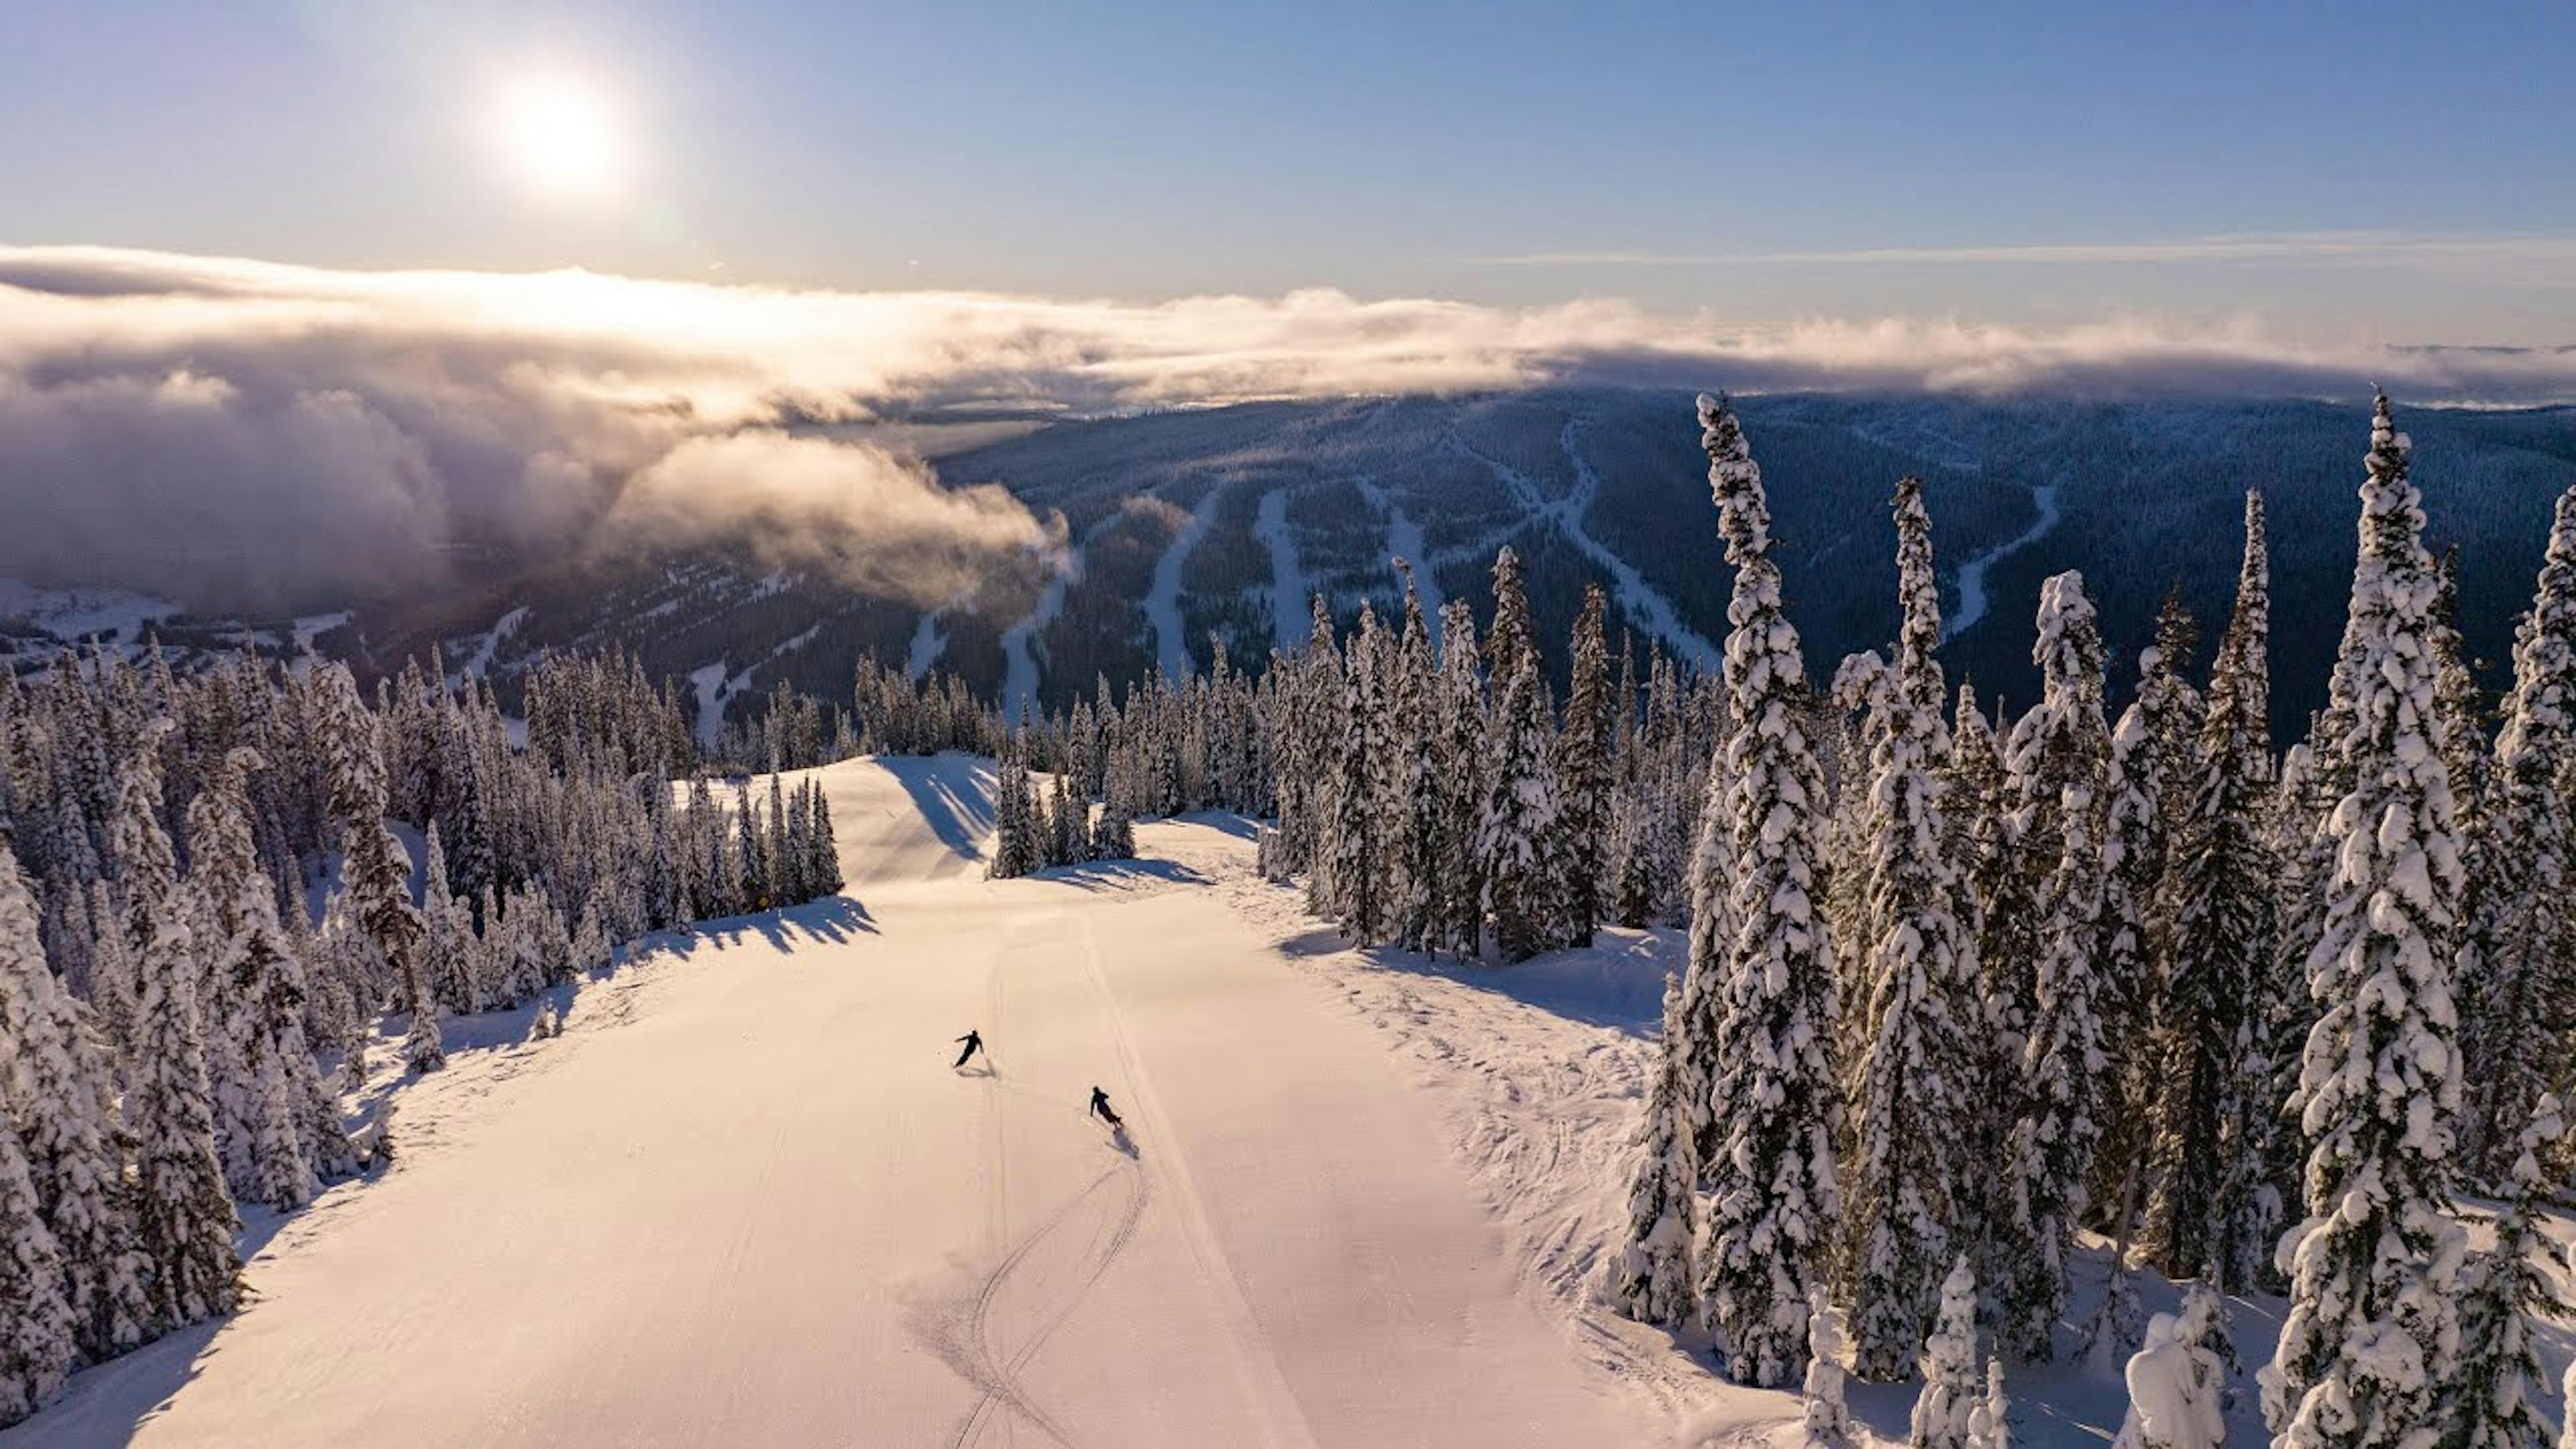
(1290, 588)
(1973, 601)
(1163, 602)
(1638, 598)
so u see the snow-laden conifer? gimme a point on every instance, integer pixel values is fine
(1990, 1422)
(58, 1085)
(1823, 1414)
(2175, 1388)
(1518, 824)
(2493, 1395)
(1772, 1193)
(2213, 1021)
(1653, 1281)
(2063, 1063)
(1583, 774)
(373, 869)
(184, 1219)
(1921, 977)
(2518, 968)
(2373, 1322)
(288, 1131)
(1352, 879)
(1949, 1391)
(36, 1324)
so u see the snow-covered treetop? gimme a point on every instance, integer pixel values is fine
(1743, 516)
(1918, 674)
(2537, 728)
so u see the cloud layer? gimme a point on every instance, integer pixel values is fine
(243, 433)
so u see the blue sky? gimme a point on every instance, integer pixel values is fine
(2397, 173)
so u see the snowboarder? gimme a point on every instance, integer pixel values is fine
(1100, 1108)
(974, 1044)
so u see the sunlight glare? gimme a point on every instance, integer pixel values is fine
(561, 135)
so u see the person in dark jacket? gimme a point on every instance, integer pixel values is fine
(974, 1044)
(1100, 1108)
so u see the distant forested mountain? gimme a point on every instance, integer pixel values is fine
(1192, 527)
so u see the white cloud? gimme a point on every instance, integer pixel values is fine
(233, 429)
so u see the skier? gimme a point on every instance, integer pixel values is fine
(974, 1044)
(1100, 1108)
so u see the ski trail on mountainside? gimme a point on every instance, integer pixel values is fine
(1163, 602)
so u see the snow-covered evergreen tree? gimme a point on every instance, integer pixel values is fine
(2518, 968)
(2373, 1321)
(2175, 1387)
(2213, 1020)
(1458, 908)
(1990, 1422)
(287, 1128)
(36, 1323)
(1653, 1280)
(1422, 817)
(1518, 824)
(1772, 1192)
(1583, 774)
(1014, 820)
(56, 1083)
(1356, 858)
(1823, 1414)
(184, 1219)
(373, 869)
(2493, 1393)
(2063, 1064)
(1949, 1392)
(1921, 977)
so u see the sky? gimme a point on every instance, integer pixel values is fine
(2337, 173)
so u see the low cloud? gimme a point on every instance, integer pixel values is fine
(243, 433)
(879, 522)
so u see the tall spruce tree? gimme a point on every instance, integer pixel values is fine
(1653, 1281)
(2211, 1024)
(57, 1085)
(2373, 1322)
(2519, 965)
(1351, 883)
(288, 1126)
(2492, 1396)
(184, 1218)
(373, 870)
(1772, 1197)
(36, 1323)
(1583, 764)
(2063, 1063)
(1519, 824)
(1921, 977)
(1463, 762)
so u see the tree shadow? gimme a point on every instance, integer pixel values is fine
(832, 919)
(961, 818)
(1111, 875)
(110, 1403)
(1616, 982)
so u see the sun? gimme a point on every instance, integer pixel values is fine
(561, 135)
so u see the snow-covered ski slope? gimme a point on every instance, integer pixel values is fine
(744, 1200)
